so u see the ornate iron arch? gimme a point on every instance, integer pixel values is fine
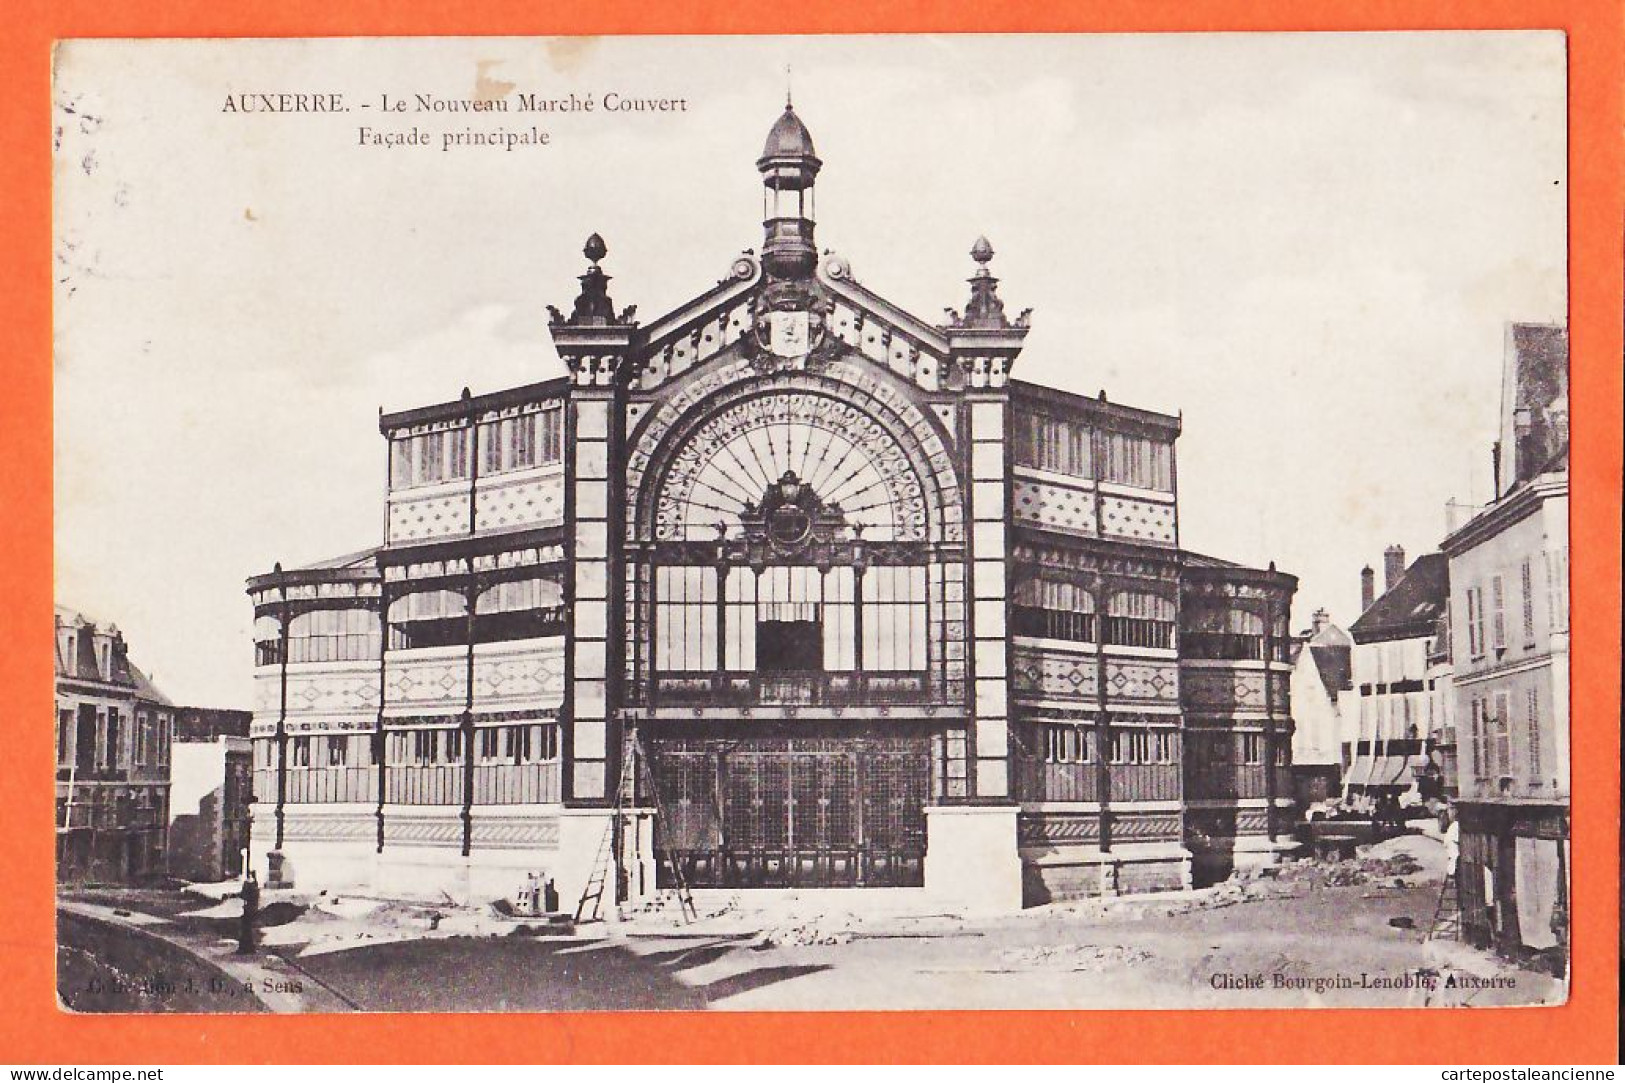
(854, 440)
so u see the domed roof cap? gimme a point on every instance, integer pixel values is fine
(788, 138)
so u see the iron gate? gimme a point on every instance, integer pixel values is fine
(793, 811)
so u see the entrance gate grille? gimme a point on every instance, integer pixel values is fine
(779, 812)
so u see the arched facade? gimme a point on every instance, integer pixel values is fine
(786, 588)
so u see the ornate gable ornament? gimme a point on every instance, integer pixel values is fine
(790, 329)
(594, 340)
(984, 341)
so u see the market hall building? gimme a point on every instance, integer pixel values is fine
(871, 612)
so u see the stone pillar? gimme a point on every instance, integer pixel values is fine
(587, 694)
(596, 344)
(972, 864)
(983, 344)
(989, 543)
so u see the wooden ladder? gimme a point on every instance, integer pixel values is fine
(1447, 912)
(606, 864)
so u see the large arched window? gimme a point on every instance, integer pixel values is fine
(1140, 619)
(334, 635)
(267, 641)
(1223, 631)
(1054, 609)
(789, 559)
(792, 618)
(428, 618)
(519, 609)
(841, 454)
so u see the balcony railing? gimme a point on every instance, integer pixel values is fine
(1227, 781)
(1040, 780)
(1043, 780)
(407, 784)
(1229, 646)
(790, 688)
(425, 784)
(516, 783)
(330, 785)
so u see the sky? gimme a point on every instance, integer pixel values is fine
(1307, 245)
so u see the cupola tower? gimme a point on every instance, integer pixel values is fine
(788, 166)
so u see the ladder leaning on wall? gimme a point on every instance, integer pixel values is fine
(1447, 911)
(605, 874)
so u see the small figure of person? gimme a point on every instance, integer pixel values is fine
(251, 908)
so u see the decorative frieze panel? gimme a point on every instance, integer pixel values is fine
(1209, 587)
(1055, 507)
(1057, 829)
(694, 346)
(446, 830)
(1087, 561)
(345, 827)
(1046, 674)
(884, 345)
(414, 518)
(352, 690)
(1132, 827)
(1225, 823)
(530, 673)
(1142, 681)
(1222, 690)
(413, 684)
(364, 723)
(1137, 520)
(267, 691)
(507, 503)
(514, 832)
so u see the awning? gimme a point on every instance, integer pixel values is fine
(1380, 773)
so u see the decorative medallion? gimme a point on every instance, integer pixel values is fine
(790, 329)
(790, 515)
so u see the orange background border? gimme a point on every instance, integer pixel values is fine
(33, 1030)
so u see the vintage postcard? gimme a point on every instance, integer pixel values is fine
(757, 523)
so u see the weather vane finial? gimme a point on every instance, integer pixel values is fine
(788, 103)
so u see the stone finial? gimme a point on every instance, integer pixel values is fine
(985, 310)
(595, 249)
(593, 306)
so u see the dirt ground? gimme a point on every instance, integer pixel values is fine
(1307, 934)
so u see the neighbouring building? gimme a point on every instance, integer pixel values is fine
(208, 723)
(1395, 749)
(1321, 693)
(1510, 639)
(875, 613)
(114, 732)
(210, 792)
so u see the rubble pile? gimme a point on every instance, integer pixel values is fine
(1075, 957)
(805, 932)
(667, 903)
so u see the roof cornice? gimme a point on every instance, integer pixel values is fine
(1522, 502)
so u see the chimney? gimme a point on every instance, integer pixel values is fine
(1393, 566)
(1368, 587)
(1319, 621)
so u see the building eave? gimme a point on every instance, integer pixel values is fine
(1522, 502)
(926, 337)
(1085, 407)
(474, 405)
